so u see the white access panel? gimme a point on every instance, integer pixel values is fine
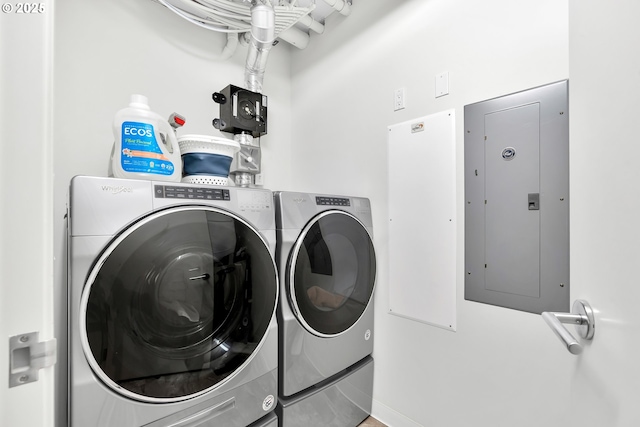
(422, 219)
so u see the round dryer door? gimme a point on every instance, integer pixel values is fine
(331, 273)
(178, 303)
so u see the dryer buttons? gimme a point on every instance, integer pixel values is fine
(367, 335)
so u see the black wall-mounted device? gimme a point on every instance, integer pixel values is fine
(241, 111)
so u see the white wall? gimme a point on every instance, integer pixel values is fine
(107, 50)
(502, 367)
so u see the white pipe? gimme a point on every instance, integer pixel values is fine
(311, 24)
(189, 17)
(296, 37)
(230, 47)
(263, 34)
(340, 5)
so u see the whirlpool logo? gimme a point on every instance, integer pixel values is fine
(117, 189)
(268, 402)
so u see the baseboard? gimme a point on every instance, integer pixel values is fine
(390, 417)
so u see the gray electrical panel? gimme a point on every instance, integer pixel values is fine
(516, 153)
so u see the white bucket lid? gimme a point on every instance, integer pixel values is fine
(208, 144)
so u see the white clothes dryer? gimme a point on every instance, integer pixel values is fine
(172, 297)
(327, 266)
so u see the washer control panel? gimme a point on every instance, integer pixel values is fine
(332, 201)
(196, 193)
(255, 201)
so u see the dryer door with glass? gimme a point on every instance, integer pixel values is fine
(331, 273)
(178, 303)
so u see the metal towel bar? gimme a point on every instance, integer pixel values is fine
(581, 317)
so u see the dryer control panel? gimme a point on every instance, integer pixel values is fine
(196, 193)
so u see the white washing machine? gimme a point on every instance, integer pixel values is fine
(172, 297)
(327, 266)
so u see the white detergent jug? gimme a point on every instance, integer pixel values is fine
(145, 144)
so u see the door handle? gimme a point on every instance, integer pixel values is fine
(581, 317)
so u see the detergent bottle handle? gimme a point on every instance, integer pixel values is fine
(168, 136)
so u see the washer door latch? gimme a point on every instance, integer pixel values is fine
(28, 356)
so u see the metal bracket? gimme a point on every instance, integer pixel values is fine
(28, 356)
(581, 317)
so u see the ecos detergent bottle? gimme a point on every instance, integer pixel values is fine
(145, 144)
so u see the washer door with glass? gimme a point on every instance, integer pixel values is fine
(178, 303)
(331, 273)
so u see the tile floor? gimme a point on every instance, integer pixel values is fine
(372, 422)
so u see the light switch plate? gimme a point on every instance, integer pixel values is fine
(442, 84)
(398, 99)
